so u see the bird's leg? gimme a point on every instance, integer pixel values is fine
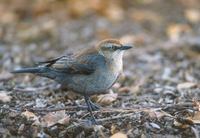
(94, 106)
(87, 100)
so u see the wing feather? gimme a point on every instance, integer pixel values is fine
(72, 65)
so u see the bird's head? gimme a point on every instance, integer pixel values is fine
(112, 48)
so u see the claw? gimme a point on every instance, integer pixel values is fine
(94, 106)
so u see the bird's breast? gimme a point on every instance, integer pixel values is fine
(98, 82)
(116, 66)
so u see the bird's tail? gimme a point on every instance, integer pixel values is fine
(41, 71)
(29, 70)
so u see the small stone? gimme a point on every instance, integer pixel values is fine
(158, 90)
(154, 125)
(40, 103)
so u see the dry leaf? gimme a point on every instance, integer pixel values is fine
(196, 118)
(53, 118)
(21, 128)
(124, 90)
(103, 33)
(78, 8)
(196, 104)
(180, 125)
(145, 15)
(156, 114)
(114, 13)
(29, 115)
(4, 97)
(134, 39)
(119, 135)
(117, 85)
(5, 76)
(182, 122)
(193, 15)
(106, 99)
(186, 85)
(7, 17)
(99, 5)
(174, 31)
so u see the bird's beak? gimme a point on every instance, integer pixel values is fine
(125, 47)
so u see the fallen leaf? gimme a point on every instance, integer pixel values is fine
(4, 97)
(114, 12)
(53, 118)
(5, 76)
(29, 115)
(7, 17)
(196, 118)
(124, 90)
(21, 128)
(113, 129)
(78, 8)
(145, 15)
(192, 15)
(106, 99)
(37, 31)
(134, 39)
(174, 31)
(196, 103)
(119, 135)
(182, 124)
(117, 85)
(186, 85)
(156, 113)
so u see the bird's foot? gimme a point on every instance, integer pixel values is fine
(94, 106)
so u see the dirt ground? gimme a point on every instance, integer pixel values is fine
(157, 95)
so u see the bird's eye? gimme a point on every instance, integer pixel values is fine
(113, 47)
(110, 47)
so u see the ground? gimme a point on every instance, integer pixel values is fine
(156, 96)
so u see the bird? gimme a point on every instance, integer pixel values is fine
(88, 72)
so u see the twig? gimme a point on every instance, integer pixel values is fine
(115, 117)
(196, 132)
(57, 109)
(134, 108)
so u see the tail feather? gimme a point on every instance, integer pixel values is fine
(41, 71)
(28, 70)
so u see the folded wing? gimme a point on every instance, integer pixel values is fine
(72, 65)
